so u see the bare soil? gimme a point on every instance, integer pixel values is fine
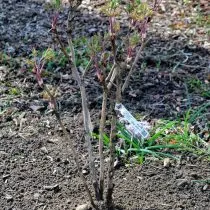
(37, 171)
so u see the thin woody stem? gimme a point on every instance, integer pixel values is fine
(67, 137)
(125, 85)
(118, 96)
(87, 68)
(103, 114)
(132, 67)
(117, 77)
(85, 111)
(61, 44)
(101, 145)
(112, 76)
(108, 78)
(75, 156)
(110, 185)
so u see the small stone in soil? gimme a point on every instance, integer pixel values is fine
(182, 183)
(2, 153)
(166, 162)
(44, 150)
(83, 207)
(205, 187)
(6, 176)
(9, 197)
(52, 140)
(85, 172)
(139, 178)
(51, 187)
(116, 162)
(36, 196)
(49, 158)
(11, 49)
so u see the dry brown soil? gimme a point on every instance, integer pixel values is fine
(37, 171)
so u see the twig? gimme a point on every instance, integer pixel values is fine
(110, 185)
(67, 137)
(117, 72)
(55, 32)
(85, 111)
(87, 68)
(108, 78)
(113, 76)
(101, 145)
(133, 65)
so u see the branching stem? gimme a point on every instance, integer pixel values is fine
(125, 85)
(85, 111)
(67, 137)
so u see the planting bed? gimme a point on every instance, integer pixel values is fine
(37, 170)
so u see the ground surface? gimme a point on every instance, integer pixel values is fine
(36, 167)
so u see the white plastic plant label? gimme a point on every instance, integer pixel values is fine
(131, 124)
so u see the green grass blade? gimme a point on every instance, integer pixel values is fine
(152, 139)
(167, 146)
(167, 155)
(146, 151)
(198, 112)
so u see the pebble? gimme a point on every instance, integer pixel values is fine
(2, 153)
(83, 207)
(166, 162)
(6, 176)
(92, 31)
(182, 183)
(36, 196)
(51, 187)
(44, 150)
(139, 178)
(205, 187)
(9, 197)
(85, 172)
(11, 49)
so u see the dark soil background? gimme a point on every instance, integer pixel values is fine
(37, 171)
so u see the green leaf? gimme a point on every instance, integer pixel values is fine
(167, 146)
(152, 139)
(56, 4)
(198, 112)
